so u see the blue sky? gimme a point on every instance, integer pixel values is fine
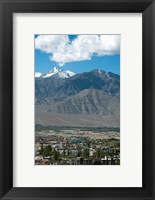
(77, 53)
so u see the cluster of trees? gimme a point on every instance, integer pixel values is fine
(112, 148)
(100, 153)
(48, 151)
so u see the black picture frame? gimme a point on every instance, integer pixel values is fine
(7, 8)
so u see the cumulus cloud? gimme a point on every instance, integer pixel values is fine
(62, 50)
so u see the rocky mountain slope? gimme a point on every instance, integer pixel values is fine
(95, 93)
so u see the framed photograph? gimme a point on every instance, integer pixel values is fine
(77, 114)
(77, 99)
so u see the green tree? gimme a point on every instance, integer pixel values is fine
(79, 151)
(56, 155)
(86, 153)
(98, 153)
(47, 151)
(102, 154)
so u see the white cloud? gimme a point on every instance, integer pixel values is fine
(61, 64)
(81, 48)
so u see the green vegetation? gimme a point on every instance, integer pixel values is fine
(66, 147)
(39, 127)
(110, 149)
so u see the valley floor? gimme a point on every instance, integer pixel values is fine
(77, 146)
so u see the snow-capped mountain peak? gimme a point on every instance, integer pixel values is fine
(38, 74)
(51, 72)
(55, 70)
(58, 73)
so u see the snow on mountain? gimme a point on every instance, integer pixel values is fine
(38, 74)
(58, 73)
(51, 73)
(70, 73)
